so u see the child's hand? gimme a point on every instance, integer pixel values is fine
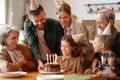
(70, 72)
(94, 70)
(20, 57)
(88, 71)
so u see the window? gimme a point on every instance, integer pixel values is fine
(2, 11)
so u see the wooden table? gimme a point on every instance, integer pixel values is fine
(32, 76)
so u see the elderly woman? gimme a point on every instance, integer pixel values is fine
(14, 56)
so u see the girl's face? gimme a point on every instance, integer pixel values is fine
(66, 48)
(11, 40)
(64, 18)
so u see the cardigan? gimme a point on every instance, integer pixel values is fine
(7, 65)
(52, 34)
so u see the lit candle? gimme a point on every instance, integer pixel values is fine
(47, 58)
(50, 58)
(53, 58)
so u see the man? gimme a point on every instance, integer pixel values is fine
(43, 34)
(105, 23)
(105, 17)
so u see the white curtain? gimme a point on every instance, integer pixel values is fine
(2, 11)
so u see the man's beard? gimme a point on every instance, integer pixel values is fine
(99, 31)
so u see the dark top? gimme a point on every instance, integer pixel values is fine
(53, 33)
(116, 43)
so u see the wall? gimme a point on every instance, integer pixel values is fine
(15, 12)
(16, 9)
(78, 8)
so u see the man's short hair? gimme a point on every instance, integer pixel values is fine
(35, 12)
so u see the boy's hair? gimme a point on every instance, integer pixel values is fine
(106, 39)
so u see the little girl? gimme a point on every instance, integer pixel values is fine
(70, 62)
(14, 56)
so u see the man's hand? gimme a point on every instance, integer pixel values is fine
(40, 65)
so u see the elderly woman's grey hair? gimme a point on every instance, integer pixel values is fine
(4, 32)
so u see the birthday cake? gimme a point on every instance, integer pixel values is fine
(52, 67)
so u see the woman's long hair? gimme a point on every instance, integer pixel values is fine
(69, 39)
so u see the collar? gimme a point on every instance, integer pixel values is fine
(107, 54)
(71, 28)
(72, 25)
(64, 58)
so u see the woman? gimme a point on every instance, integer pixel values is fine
(13, 56)
(71, 26)
(64, 16)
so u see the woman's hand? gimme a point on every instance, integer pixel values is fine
(95, 70)
(20, 57)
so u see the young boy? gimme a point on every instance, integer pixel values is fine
(106, 62)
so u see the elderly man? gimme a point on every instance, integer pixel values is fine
(105, 17)
(43, 34)
(105, 22)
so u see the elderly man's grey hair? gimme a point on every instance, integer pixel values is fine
(110, 15)
(4, 32)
